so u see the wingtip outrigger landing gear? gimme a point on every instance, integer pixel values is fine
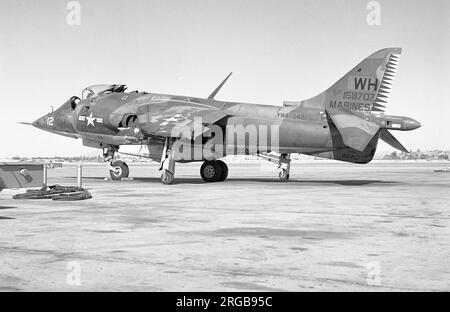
(117, 169)
(283, 162)
(167, 177)
(283, 175)
(284, 165)
(167, 163)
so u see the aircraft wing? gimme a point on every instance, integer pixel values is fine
(175, 118)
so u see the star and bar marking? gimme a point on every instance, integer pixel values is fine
(90, 119)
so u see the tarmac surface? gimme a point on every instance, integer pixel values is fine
(332, 227)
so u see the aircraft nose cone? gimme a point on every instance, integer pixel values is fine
(40, 122)
(411, 124)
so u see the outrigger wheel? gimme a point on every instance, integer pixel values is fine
(120, 171)
(284, 175)
(167, 177)
(214, 171)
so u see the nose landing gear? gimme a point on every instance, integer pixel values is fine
(117, 169)
(167, 163)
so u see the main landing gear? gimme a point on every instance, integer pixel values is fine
(117, 168)
(214, 171)
(210, 171)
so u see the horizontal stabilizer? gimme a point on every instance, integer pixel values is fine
(387, 137)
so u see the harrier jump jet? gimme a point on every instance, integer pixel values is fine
(343, 123)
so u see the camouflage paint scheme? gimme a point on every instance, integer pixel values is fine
(344, 122)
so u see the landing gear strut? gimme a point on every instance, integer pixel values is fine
(214, 171)
(117, 169)
(167, 163)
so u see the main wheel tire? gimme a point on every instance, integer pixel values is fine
(211, 171)
(283, 175)
(121, 170)
(224, 167)
(167, 177)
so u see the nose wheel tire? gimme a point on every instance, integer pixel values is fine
(283, 175)
(167, 177)
(120, 171)
(211, 171)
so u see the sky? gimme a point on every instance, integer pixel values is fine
(277, 51)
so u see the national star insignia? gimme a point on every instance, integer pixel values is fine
(90, 119)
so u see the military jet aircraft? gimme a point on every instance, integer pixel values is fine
(343, 123)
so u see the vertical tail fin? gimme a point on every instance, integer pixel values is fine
(363, 90)
(389, 71)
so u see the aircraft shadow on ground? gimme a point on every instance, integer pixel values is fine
(6, 218)
(183, 180)
(7, 207)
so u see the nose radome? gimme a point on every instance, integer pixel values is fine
(40, 122)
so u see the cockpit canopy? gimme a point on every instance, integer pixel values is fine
(101, 89)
